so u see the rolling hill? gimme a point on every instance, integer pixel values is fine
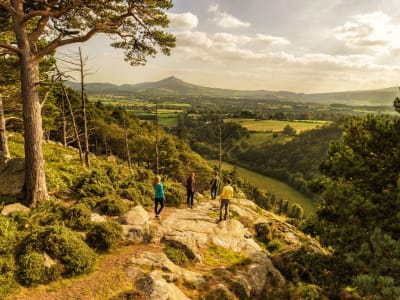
(172, 86)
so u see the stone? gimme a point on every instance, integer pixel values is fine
(12, 177)
(97, 218)
(15, 207)
(136, 226)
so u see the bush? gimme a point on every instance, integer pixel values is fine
(176, 255)
(7, 269)
(263, 232)
(32, 270)
(62, 244)
(91, 202)
(95, 184)
(175, 194)
(274, 245)
(8, 234)
(78, 216)
(103, 236)
(48, 213)
(113, 206)
(296, 211)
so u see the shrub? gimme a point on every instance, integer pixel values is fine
(61, 244)
(178, 256)
(174, 194)
(32, 270)
(8, 234)
(7, 269)
(274, 245)
(48, 213)
(263, 232)
(95, 184)
(296, 211)
(103, 236)
(78, 216)
(91, 202)
(113, 206)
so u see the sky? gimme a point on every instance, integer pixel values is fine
(305, 46)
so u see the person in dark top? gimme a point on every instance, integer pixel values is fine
(214, 186)
(159, 196)
(190, 190)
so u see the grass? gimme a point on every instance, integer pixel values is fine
(274, 186)
(276, 125)
(216, 255)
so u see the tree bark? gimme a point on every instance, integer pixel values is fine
(35, 188)
(4, 152)
(85, 130)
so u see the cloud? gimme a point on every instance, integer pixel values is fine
(372, 31)
(226, 20)
(193, 39)
(183, 21)
(269, 40)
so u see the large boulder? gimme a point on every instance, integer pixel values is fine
(136, 226)
(12, 177)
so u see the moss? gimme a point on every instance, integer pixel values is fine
(263, 232)
(104, 236)
(176, 255)
(78, 216)
(216, 255)
(274, 245)
(8, 234)
(7, 270)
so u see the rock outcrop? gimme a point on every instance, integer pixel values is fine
(194, 232)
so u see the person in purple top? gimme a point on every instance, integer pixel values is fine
(190, 190)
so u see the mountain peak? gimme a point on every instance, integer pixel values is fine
(171, 79)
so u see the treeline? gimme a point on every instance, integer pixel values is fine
(295, 162)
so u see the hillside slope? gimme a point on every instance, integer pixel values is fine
(191, 256)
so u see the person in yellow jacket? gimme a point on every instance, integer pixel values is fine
(225, 197)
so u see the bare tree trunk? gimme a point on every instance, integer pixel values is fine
(78, 141)
(64, 121)
(128, 154)
(220, 152)
(4, 152)
(85, 130)
(157, 150)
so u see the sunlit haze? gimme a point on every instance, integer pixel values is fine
(294, 45)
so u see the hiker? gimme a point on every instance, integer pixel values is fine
(225, 197)
(159, 196)
(214, 186)
(190, 190)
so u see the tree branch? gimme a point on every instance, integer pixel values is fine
(11, 48)
(33, 37)
(7, 7)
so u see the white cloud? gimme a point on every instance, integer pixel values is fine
(269, 40)
(369, 31)
(213, 8)
(183, 21)
(226, 20)
(193, 39)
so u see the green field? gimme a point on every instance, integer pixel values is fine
(276, 125)
(274, 186)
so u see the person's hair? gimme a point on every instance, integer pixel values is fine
(228, 181)
(157, 179)
(191, 174)
(216, 173)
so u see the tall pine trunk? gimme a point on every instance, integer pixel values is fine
(35, 188)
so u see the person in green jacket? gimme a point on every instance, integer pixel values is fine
(159, 196)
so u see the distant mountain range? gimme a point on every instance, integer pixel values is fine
(172, 86)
